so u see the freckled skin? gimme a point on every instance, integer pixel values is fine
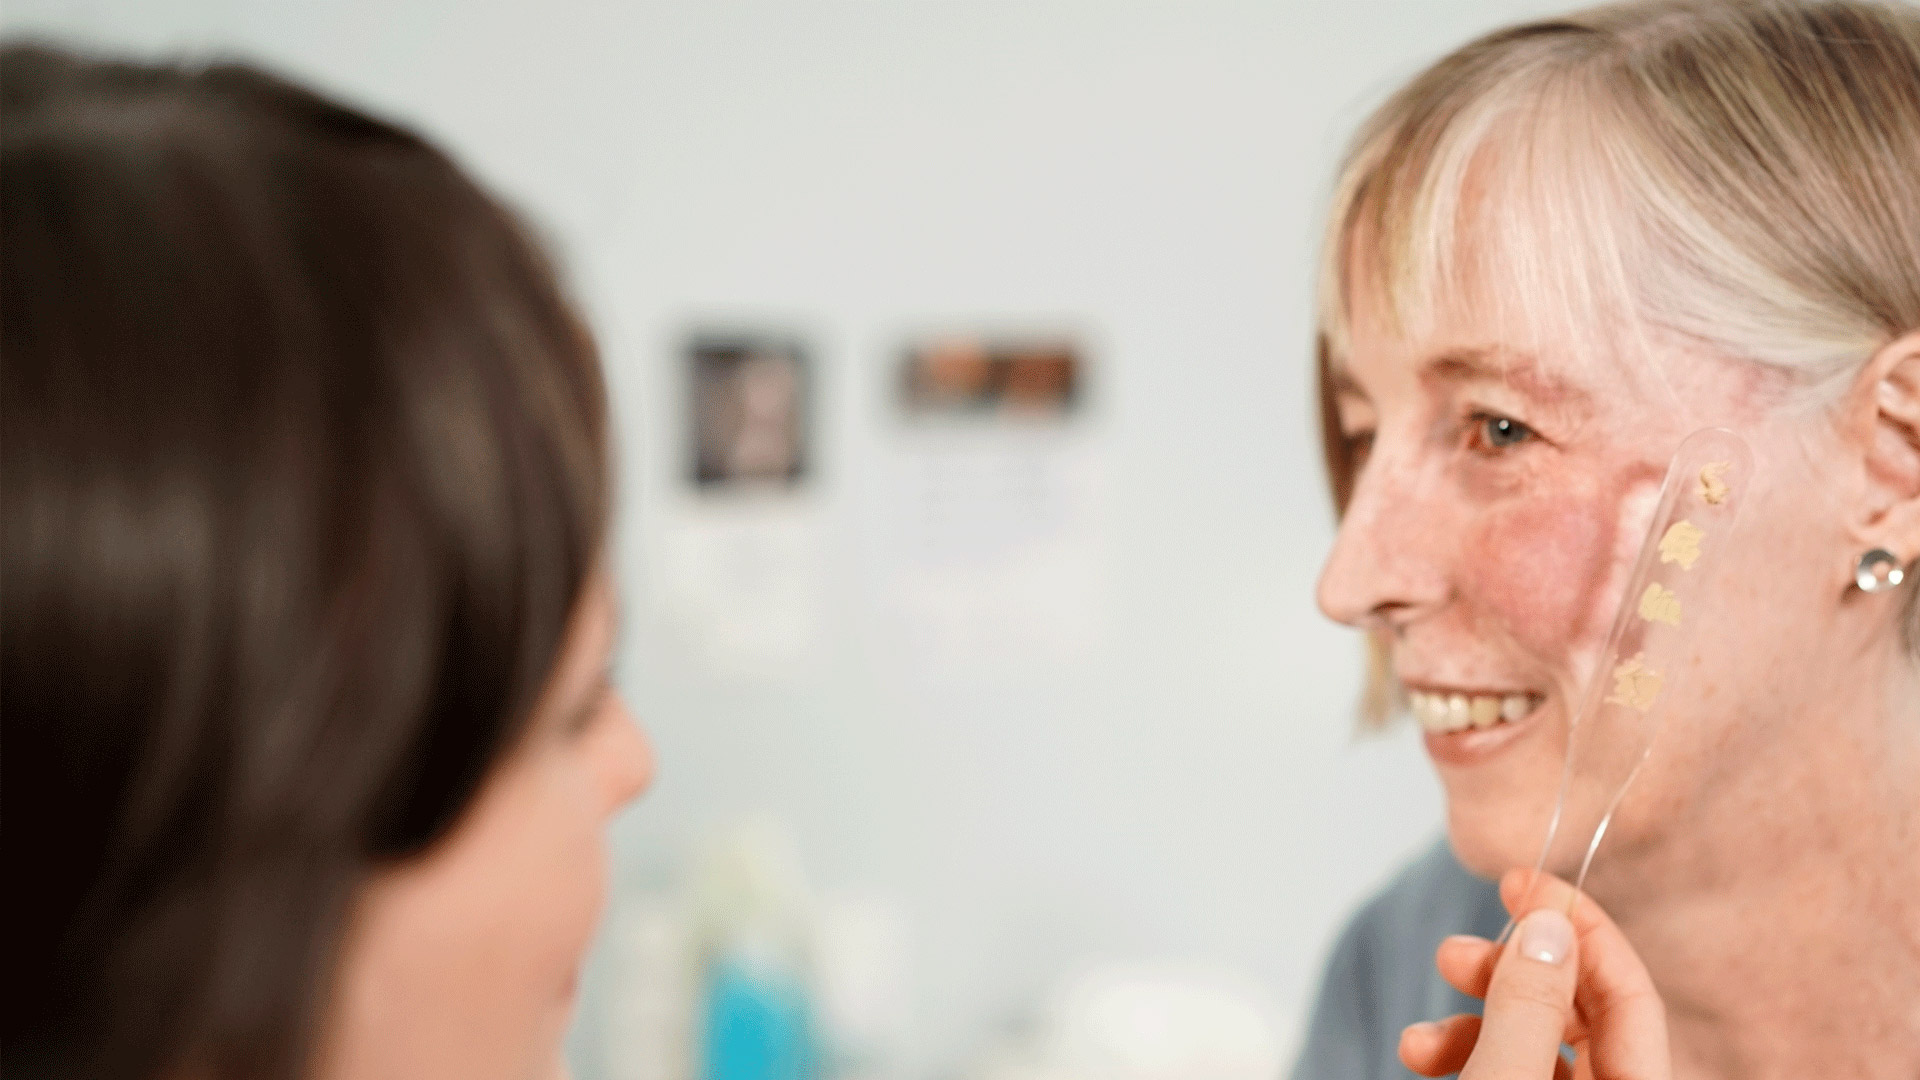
(1541, 574)
(1504, 569)
(1763, 863)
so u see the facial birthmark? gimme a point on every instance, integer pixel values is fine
(1713, 482)
(1658, 604)
(1681, 544)
(1635, 685)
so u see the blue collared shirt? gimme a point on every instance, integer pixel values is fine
(1381, 978)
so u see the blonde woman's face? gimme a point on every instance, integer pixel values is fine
(463, 962)
(1502, 496)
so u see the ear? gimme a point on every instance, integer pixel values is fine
(1883, 415)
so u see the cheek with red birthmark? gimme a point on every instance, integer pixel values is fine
(1543, 569)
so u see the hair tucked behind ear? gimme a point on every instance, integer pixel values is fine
(304, 472)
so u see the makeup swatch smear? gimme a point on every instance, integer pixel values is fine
(1713, 482)
(1658, 604)
(1681, 544)
(1666, 612)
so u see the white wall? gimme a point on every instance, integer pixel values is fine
(1151, 174)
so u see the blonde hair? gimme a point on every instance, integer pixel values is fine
(1738, 176)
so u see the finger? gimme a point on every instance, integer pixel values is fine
(1466, 963)
(1526, 889)
(1523, 890)
(1529, 1001)
(1618, 1009)
(1441, 1047)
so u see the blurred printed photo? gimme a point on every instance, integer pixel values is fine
(748, 411)
(961, 375)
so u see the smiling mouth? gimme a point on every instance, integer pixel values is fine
(1443, 713)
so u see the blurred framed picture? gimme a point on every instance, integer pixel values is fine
(962, 376)
(748, 411)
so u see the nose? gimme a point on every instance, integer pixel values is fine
(1389, 562)
(626, 755)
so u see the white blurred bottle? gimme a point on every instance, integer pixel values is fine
(862, 974)
(646, 1020)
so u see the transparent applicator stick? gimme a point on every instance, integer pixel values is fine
(1650, 651)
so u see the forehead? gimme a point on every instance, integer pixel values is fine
(1441, 366)
(1622, 384)
(1459, 348)
(1473, 267)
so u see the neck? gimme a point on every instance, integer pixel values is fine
(1783, 925)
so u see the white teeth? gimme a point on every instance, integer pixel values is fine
(1442, 713)
(1420, 705)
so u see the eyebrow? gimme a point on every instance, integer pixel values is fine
(1510, 368)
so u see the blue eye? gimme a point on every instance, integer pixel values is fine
(1500, 433)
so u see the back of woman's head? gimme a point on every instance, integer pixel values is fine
(303, 473)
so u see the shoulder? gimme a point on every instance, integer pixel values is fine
(1430, 897)
(1380, 977)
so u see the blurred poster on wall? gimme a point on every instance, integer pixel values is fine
(996, 510)
(747, 413)
(741, 553)
(961, 377)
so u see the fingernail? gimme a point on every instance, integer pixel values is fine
(1546, 936)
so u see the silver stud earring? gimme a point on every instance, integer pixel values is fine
(1878, 571)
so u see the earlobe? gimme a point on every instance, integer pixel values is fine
(1886, 404)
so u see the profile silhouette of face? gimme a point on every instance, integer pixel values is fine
(464, 961)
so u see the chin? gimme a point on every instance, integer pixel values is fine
(1491, 837)
(1501, 783)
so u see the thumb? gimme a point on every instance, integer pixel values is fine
(1529, 1002)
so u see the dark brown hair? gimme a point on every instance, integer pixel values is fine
(302, 454)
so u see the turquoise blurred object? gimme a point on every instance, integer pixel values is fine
(758, 1025)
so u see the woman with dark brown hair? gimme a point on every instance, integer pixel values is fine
(309, 737)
